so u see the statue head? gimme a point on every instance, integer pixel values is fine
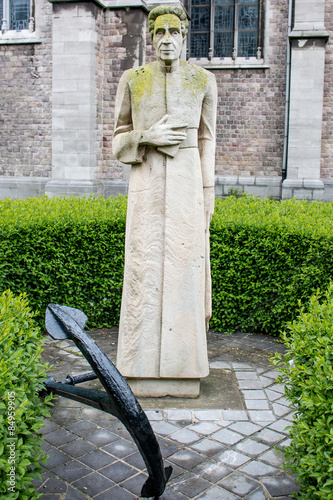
(168, 27)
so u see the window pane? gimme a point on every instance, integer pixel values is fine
(247, 44)
(248, 17)
(224, 18)
(229, 2)
(199, 45)
(19, 14)
(223, 44)
(200, 19)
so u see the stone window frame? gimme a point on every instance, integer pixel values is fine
(233, 62)
(8, 36)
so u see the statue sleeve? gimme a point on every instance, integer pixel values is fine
(126, 141)
(206, 133)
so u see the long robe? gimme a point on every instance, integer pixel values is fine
(166, 292)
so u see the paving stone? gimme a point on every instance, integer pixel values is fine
(179, 415)
(232, 458)
(190, 485)
(273, 374)
(278, 388)
(280, 410)
(136, 461)
(261, 415)
(101, 437)
(134, 484)
(251, 447)
(226, 436)
(49, 426)
(65, 415)
(73, 494)
(204, 428)
(272, 395)
(266, 382)
(216, 493)
(83, 428)
(93, 484)
(97, 459)
(207, 447)
(258, 469)
(207, 415)
(168, 447)
(164, 428)
(186, 458)
(154, 415)
(54, 485)
(120, 448)
(118, 471)
(280, 426)
(78, 448)
(59, 437)
(170, 494)
(238, 484)
(223, 365)
(185, 436)
(211, 471)
(234, 415)
(254, 394)
(279, 486)
(115, 493)
(257, 404)
(256, 495)
(268, 436)
(283, 401)
(56, 458)
(273, 458)
(246, 375)
(249, 384)
(74, 470)
(241, 366)
(245, 428)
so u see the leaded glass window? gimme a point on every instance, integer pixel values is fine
(15, 14)
(225, 28)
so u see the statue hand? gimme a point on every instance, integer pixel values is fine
(164, 134)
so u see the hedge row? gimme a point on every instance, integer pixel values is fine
(21, 410)
(265, 256)
(307, 372)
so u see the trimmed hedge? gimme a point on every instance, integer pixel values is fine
(65, 250)
(265, 256)
(21, 411)
(308, 379)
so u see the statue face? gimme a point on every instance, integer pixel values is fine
(168, 39)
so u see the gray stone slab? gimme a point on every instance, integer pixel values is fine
(251, 447)
(207, 447)
(216, 493)
(185, 436)
(245, 428)
(280, 486)
(238, 484)
(204, 428)
(234, 415)
(227, 437)
(258, 469)
(232, 458)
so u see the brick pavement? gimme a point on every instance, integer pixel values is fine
(216, 454)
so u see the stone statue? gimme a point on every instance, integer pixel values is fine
(165, 128)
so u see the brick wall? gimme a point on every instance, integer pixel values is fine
(25, 104)
(326, 170)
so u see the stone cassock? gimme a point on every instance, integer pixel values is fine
(166, 301)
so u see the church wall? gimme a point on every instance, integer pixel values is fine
(25, 103)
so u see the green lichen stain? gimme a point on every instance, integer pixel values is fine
(195, 79)
(141, 84)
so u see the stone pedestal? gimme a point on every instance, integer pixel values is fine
(160, 387)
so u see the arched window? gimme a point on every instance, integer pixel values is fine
(225, 29)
